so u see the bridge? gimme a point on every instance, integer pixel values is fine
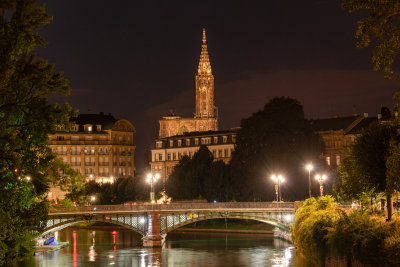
(154, 221)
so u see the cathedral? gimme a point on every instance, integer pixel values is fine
(205, 118)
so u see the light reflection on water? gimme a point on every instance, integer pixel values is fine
(108, 247)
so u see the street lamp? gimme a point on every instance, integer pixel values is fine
(152, 178)
(309, 167)
(321, 179)
(278, 180)
(93, 199)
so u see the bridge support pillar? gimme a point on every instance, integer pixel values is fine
(153, 237)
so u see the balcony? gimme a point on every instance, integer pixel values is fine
(103, 163)
(90, 164)
(75, 164)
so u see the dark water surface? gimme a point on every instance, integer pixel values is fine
(110, 247)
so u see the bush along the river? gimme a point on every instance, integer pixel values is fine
(322, 228)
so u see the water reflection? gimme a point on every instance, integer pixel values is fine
(109, 247)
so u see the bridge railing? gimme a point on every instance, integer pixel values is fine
(284, 206)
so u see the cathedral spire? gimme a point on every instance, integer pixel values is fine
(204, 85)
(204, 63)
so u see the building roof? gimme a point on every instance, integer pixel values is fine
(106, 121)
(349, 124)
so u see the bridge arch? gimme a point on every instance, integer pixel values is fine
(171, 222)
(135, 222)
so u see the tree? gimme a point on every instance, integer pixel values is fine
(199, 177)
(275, 140)
(373, 164)
(380, 29)
(26, 120)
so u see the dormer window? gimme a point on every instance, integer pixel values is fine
(98, 128)
(171, 143)
(196, 141)
(158, 144)
(187, 142)
(234, 138)
(75, 128)
(60, 128)
(215, 140)
(179, 142)
(224, 139)
(88, 128)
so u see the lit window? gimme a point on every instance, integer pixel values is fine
(159, 144)
(98, 128)
(224, 139)
(215, 140)
(328, 161)
(89, 128)
(187, 142)
(337, 160)
(171, 143)
(196, 141)
(179, 142)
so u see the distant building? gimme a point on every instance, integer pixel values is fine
(205, 118)
(338, 134)
(169, 150)
(98, 146)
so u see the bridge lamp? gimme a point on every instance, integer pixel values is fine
(278, 180)
(309, 168)
(151, 179)
(321, 179)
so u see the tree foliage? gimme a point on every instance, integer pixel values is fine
(379, 29)
(199, 177)
(275, 140)
(26, 120)
(372, 165)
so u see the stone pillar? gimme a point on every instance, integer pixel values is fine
(153, 237)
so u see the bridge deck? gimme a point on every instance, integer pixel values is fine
(177, 207)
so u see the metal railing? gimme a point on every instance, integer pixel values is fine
(238, 206)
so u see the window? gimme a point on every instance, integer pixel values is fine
(190, 154)
(187, 142)
(171, 143)
(158, 144)
(75, 138)
(169, 156)
(328, 161)
(89, 128)
(233, 138)
(88, 138)
(215, 140)
(160, 157)
(174, 156)
(179, 155)
(60, 128)
(60, 138)
(196, 141)
(92, 150)
(226, 153)
(214, 152)
(224, 139)
(98, 128)
(75, 128)
(179, 142)
(220, 153)
(337, 160)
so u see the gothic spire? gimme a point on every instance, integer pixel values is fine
(204, 63)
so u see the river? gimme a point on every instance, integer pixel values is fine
(118, 247)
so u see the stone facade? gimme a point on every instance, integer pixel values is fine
(205, 118)
(338, 134)
(98, 146)
(169, 150)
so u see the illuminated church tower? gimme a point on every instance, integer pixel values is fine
(204, 85)
(205, 118)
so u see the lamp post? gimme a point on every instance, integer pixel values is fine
(321, 179)
(309, 167)
(278, 180)
(152, 178)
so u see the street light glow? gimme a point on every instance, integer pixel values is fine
(309, 167)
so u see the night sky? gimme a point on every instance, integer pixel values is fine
(137, 59)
